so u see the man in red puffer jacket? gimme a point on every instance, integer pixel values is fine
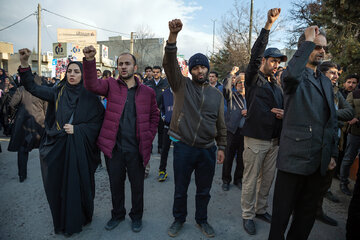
(129, 127)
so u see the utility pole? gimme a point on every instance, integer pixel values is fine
(39, 39)
(213, 35)
(132, 43)
(251, 23)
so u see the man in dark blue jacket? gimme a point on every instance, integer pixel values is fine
(262, 127)
(166, 109)
(234, 119)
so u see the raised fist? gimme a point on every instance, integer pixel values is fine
(311, 33)
(175, 26)
(24, 56)
(234, 70)
(273, 14)
(89, 53)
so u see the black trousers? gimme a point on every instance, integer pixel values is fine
(341, 155)
(186, 160)
(166, 142)
(352, 224)
(235, 146)
(117, 166)
(326, 184)
(160, 133)
(22, 163)
(298, 195)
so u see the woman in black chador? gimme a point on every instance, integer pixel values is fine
(68, 153)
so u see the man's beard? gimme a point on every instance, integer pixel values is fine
(201, 81)
(127, 77)
(315, 62)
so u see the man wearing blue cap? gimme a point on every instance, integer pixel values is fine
(197, 123)
(262, 126)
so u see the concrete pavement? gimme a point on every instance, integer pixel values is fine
(25, 213)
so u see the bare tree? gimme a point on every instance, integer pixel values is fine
(234, 34)
(146, 47)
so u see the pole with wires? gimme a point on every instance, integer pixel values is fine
(39, 39)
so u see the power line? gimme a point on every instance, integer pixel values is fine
(46, 29)
(17, 22)
(107, 30)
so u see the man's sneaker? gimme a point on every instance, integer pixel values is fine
(265, 217)
(136, 225)
(326, 219)
(162, 176)
(249, 226)
(206, 229)
(175, 228)
(345, 189)
(238, 185)
(225, 186)
(330, 196)
(112, 223)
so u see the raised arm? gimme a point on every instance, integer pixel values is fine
(259, 47)
(170, 63)
(291, 76)
(27, 79)
(91, 82)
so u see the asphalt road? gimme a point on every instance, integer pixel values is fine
(25, 213)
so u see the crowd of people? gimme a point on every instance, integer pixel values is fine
(294, 123)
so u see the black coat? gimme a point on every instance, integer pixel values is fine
(159, 89)
(309, 134)
(233, 116)
(68, 161)
(261, 96)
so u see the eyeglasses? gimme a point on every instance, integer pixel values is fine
(319, 47)
(333, 73)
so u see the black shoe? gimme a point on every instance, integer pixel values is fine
(326, 219)
(265, 217)
(22, 178)
(330, 196)
(159, 150)
(146, 175)
(136, 225)
(249, 226)
(206, 229)
(112, 223)
(345, 189)
(238, 185)
(225, 186)
(175, 228)
(67, 235)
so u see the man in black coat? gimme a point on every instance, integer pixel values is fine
(262, 126)
(159, 85)
(308, 138)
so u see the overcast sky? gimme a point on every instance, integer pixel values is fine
(124, 16)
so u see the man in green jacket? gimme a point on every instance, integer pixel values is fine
(197, 123)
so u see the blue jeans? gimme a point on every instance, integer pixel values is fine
(186, 160)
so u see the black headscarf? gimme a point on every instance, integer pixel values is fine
(67, 99)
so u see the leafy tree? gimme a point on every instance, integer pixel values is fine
(341, 21)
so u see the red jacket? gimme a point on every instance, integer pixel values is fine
(147, 112)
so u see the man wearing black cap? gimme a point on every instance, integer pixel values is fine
(262, 127)
(197, 123)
